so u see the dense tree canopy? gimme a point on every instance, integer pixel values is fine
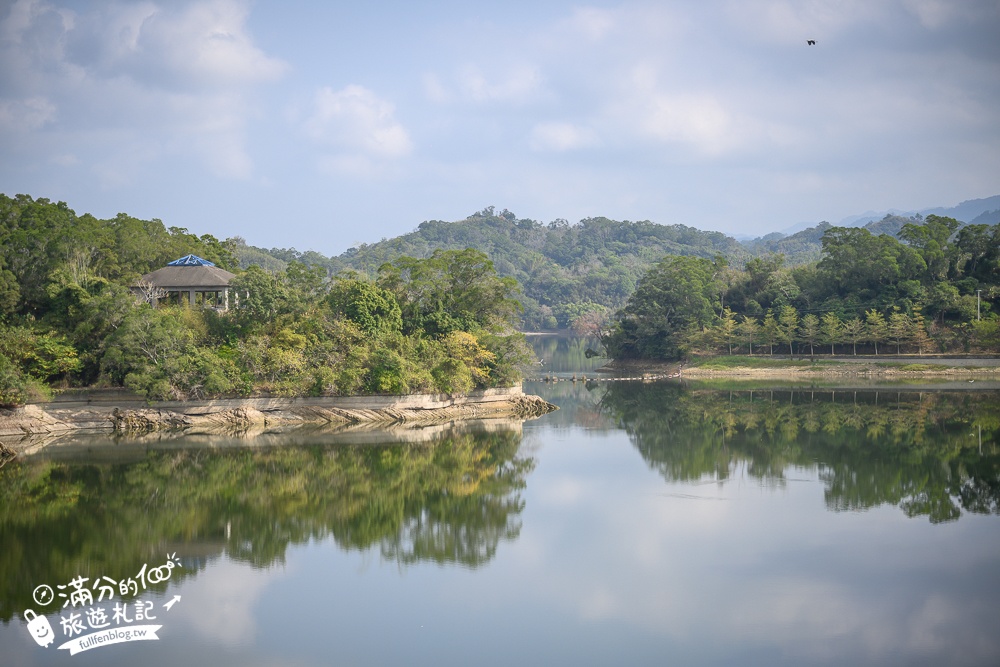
(68, 317)
(567, 272)
(678, 293)
(929, 290)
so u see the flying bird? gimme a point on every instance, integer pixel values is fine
(811, 42)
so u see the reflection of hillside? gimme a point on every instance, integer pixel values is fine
(932, 454)
(579, 403)
(565, 354)
(450, 500)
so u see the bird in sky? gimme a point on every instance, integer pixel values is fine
(811, 42)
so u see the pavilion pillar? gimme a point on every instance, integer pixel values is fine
(191, 298)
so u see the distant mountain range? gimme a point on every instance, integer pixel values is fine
(973, 212)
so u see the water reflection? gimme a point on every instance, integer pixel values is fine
(579, 404)
(450, 499)
(559, 353)
(933, 454)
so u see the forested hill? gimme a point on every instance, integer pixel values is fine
(807, 245)
(570, 274)
(565, 270)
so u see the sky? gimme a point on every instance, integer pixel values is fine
(322, 125)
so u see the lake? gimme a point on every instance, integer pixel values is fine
(642, 523)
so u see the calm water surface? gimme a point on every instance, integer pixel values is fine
(640, 524)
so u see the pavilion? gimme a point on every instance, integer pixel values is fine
(200, 280)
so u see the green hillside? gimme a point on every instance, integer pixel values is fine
(574, 275)
(569, 273)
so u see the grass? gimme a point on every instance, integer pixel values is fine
(726, 362)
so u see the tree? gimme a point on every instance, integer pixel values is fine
(727, 328)
(770, 331)
(678, 293)
(372, 308)
(876, 329)
(260, 296)
(920, 337)
(13, 384)
(931, 240)
(854, 331)
(788, 326)
(306, 284)
(749, 327)
(831, 330)
(857, 262)
(899, 327)
(976, 252)
(10, 293)
(452, 290)
(590, 323)
(809, 332)
(987, 334)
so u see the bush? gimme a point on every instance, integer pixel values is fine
(13, 386)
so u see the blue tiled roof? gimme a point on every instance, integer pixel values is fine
(190, 260)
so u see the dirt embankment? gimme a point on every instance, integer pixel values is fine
(88, 414)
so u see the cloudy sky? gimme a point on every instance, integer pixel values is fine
(320, 125)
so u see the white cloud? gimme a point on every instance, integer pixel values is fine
(797, 20)
(434, 89)
(561, 137)
(219, 603)
(506, 85)
(679, 115)
(134, 83)
(592, 22)
(355, 120)
(698, 120)
(26, 114)
(66, 160)
(932, 13)
(518, 85)
(201, 44)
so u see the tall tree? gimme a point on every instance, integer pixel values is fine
(750, 327)
(770, 331)
(931, 240)
(857, 262)
(452, 290)
(899, 328)
(788, 326)
(920, 337)
(854, 330)
(831, 330)
(876, 329)
(727, 328)
(809, 332)
(678, 293)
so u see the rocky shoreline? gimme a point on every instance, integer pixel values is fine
(87, 412)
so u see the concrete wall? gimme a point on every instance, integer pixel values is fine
(126, 400)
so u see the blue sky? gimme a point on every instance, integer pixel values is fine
(321, 125)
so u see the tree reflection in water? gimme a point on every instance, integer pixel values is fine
(451, 500)
(932, 454)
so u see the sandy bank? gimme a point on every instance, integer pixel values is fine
(92, 413)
